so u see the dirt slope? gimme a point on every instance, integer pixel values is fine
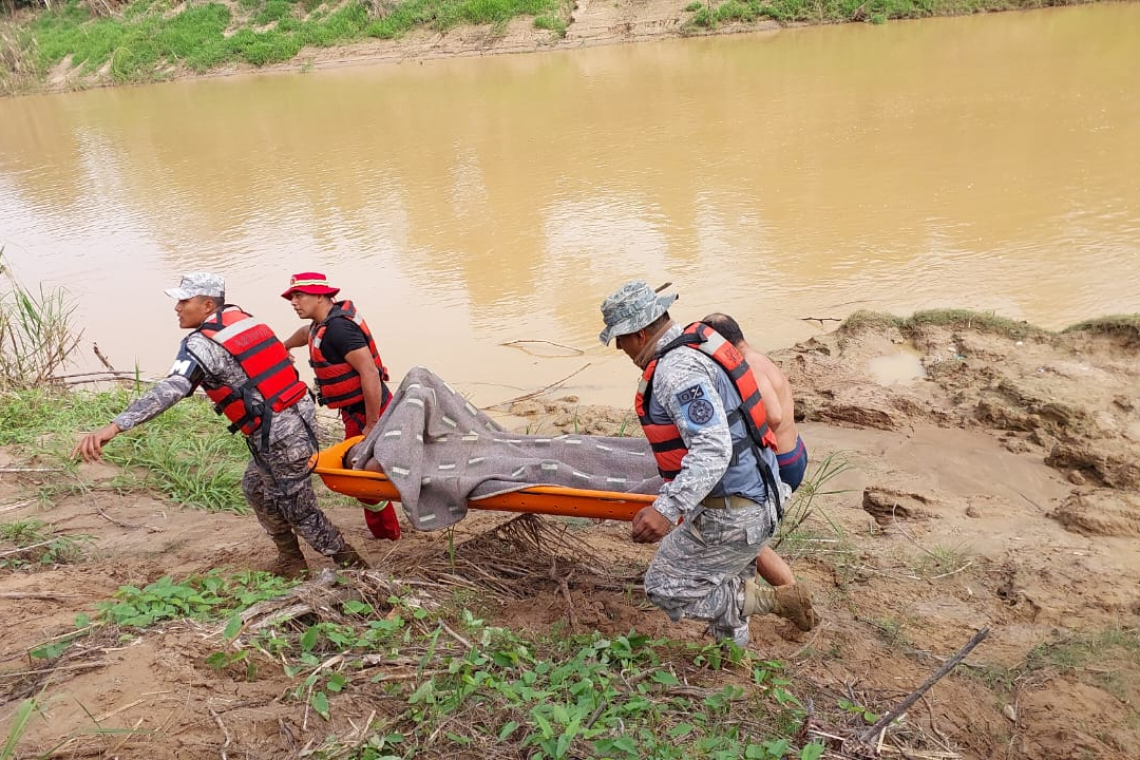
(999, 489)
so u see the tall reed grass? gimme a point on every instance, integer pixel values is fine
(37, 338)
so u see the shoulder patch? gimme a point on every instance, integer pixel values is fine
(700, 412)
(690, 395)
(186, 364)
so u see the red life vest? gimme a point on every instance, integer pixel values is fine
(263, 358)
(339, 384)
(665, 440)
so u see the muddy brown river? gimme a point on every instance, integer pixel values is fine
(988, 162)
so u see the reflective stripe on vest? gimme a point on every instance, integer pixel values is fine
(264, 360)
(665, 439)
(339, 384)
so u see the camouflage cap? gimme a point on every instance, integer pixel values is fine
(198, 284)
(631, 308)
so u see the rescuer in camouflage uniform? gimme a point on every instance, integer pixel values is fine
(704, 568)
(277, 481)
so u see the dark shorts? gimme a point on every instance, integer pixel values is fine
(793, 464)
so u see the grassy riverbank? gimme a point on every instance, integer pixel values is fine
(82, 43)
(143, 627)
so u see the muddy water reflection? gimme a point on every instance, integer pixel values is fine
(982, 162)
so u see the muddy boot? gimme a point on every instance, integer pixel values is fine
(290, 562)
(349, 558)
(758, 599)
(793, 602)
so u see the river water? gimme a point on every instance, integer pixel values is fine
(988, 162)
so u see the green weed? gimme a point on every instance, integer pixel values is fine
(942, 560)
(892, 630)
(144, 43)
(963, 318)
(18, 727)
(36, 335)
(211, 596)
(556, 696)
(1123, 325)
(1079, 651)
(36, 545)
(185, 453)
(558, 26)
(803, 504)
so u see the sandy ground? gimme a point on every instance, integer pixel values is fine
(1000, 488)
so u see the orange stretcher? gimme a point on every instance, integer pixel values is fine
(539, 500)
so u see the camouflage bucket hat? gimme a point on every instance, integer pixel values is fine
(631, 308)
(198, 284)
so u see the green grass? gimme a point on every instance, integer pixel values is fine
(34, 545)
(555, 24)
(147, 42)
(486, 690)
(447, 681)
(1122, 325)
(942, 560)
(1126, 326)
(711, 15)
(959, 318)
(1079, 651)
(184, 454)
(37, 338)
(152, 40)
(19, 726)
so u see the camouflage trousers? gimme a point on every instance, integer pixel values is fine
(277, 485)
(700, 567)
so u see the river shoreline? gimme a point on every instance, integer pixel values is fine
(577, 25)
(993, 486)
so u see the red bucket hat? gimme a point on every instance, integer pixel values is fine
(313, 283)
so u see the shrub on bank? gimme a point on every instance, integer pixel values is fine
(152, 40)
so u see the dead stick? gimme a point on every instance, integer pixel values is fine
(30, 469)
(41, 671)
(99, 511)
(97, 373)
(106, 362)
(454, 635)
(578, 351)
(17, 505)
(45, 595)
(218, 719)
(540, 391)
(23, 549)
(903, 706)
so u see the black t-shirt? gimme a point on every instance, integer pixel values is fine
(342, 337)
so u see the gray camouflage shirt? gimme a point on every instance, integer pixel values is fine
(201, 361)
(709, 444)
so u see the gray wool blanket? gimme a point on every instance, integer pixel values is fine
(440, 451)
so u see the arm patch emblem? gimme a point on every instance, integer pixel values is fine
(700, 412)
(690, 395)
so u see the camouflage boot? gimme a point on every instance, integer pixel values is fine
(349, 558)
(290, 562)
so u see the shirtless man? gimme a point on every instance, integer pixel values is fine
(790, 452)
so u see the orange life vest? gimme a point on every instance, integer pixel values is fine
(665, 440)
(339, 384)
(264, 359)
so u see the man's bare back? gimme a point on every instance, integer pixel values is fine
(777, 395)
(781, 412)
